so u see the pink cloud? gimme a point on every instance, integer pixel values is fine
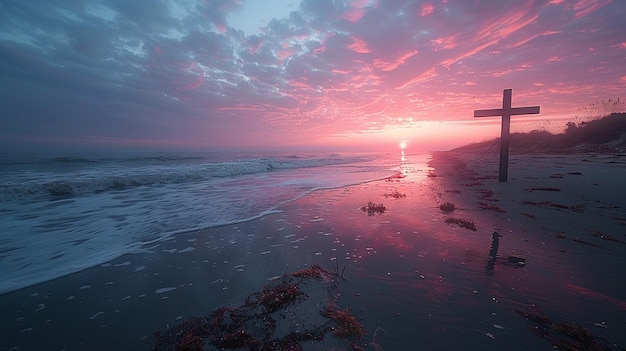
(449, 42)
(191, 77)
(221, 28)
(319, 50)
(495, 31)
(423, 77)
(353, 15)
(507, 25)
(470, 52)
(339, 71)
(585, 7)
(356, 11)
(359, 46)
(427, 9)
(390, 66)
(285, 54)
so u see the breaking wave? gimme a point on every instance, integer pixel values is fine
(120, 177)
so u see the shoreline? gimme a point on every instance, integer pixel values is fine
(411, 278)
(190, 274)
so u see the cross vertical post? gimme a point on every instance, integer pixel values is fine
(506, 112)
(505, 130)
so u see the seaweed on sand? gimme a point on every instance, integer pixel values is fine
(463, 223)
(447, 207)
(274, 297)
(576, 208)
(373, 208)
(486, 206)
(564, 335)
(313, 272)
(346, 323)
(283, 315)
(395, 194)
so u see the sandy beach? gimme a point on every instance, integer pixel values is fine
(412, 279)
(564, 213)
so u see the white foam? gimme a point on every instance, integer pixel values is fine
(96, 315)
(164, 290)
(103, 211)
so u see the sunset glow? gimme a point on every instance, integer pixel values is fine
(298, 74)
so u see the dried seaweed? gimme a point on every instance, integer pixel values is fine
(347, 324)
(463, 223)
(486, 206)
(395, 194)
(264, 321)
(447, 207)
(373, 208)
(563, 335)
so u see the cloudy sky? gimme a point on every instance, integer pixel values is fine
(194, 74)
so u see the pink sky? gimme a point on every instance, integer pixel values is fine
(299, 74)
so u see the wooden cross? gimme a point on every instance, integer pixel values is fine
(506, 112)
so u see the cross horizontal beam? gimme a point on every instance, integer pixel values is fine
(530, 110)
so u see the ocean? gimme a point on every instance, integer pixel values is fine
(64, 213)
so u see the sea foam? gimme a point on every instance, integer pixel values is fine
(66, 214)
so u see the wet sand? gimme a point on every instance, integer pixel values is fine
(412, 279)
(566, 214)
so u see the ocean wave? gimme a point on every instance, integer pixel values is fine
(102, 179)
(72, 159)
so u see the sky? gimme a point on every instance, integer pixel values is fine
(297, 75)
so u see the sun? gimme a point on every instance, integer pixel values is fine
(403, 144)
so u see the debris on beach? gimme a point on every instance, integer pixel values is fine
(290, 311)
(463, 223)
(543, 189)
(575, 208)
(447, 207)
(373, 208)
(395, 194)
(563, 335)
(486, 206)
(511, 260)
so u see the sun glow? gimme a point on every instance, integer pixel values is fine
(403, 144)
